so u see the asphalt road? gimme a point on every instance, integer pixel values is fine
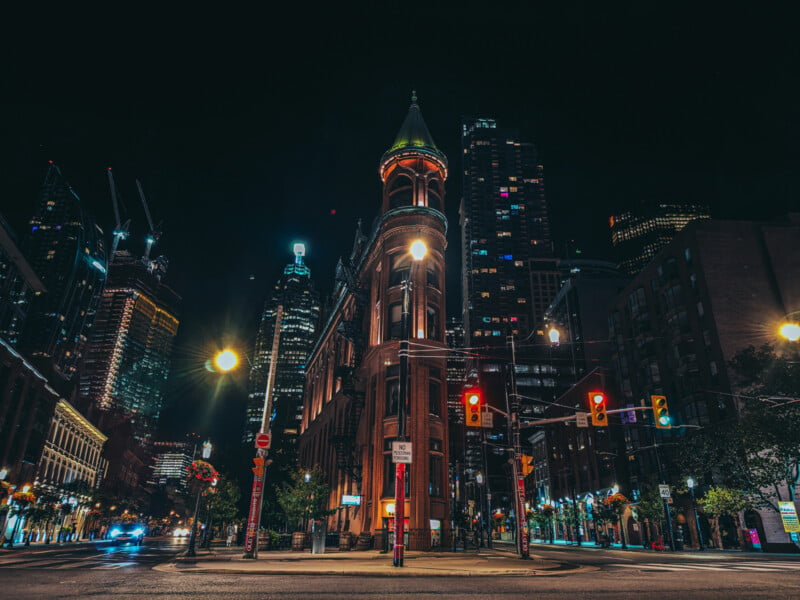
(123, 573)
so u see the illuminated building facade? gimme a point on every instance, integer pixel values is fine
(18, 285)
(131, 346)
(288, 325)
(65, 249)
(170, 461)
(505, 222)
(27, 402)
(716, 288)
(638, 235)
(352, 386)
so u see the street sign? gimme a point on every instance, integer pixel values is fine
(663, 491)
(263, 441)
(350, 500)
(487, 419)
(401, 452)
(789, 517)
(582, 419)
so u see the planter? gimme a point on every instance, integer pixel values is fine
(299, 541)
(345, 541)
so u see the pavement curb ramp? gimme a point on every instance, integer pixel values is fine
(374, 565)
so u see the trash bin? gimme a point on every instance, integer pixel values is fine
(318, 537)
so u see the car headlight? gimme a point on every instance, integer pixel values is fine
(137, 531)
(115, 532)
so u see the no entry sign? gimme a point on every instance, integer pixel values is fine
(263, 441)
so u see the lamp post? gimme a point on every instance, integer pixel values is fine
(418, 250)
(690, 484)
(193, 535)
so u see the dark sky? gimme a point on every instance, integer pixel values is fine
(248, 129)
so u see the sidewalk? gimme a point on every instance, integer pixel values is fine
(371, 563)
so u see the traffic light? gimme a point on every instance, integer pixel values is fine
(661, 412)
(527, 465)
(597, 406)
(472, 407)
(258, 469)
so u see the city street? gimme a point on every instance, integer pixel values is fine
(128, 572)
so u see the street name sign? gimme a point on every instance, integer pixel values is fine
(401, 452)
(263, 441)
(663, 491)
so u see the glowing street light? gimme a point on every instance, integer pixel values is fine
(226, 360)
(790, 331)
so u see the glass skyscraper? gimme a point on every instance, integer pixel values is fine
(286, 331)
(131, 345)
(65, 249)
(505, 223)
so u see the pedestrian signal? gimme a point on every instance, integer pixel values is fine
(258, 469)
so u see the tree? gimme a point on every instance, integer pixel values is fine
(770, 422)
(305, 498)
(760, 452)
(721, 501)
(223, 504)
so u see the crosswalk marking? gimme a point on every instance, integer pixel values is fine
(766, 567)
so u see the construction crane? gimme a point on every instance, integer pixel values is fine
(121, 229)
(153, 235)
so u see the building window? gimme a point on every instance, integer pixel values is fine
(435, 194)
(395, 321)
(435, 391)
(388, 476)
(433, 276)
(435, 476)
(433, 323)
(401, 267)
(401, 192)
(392, 390)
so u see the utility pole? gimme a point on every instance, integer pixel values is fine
(519, 479)
(260, 461)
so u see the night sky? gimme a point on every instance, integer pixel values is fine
(249, 131)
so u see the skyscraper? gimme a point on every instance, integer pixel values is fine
(65, 249)
(18, 285)
(638, 235)
(288, 327)
(131, 345)
(505, 223)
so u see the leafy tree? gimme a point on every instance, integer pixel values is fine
(760, 452)
(223, 504)
(305, 498)
(722, 501)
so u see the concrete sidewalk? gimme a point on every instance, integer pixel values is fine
(371, 563)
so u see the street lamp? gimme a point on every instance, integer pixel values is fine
(226, 360)
(418, 250)
(690, 484)
(790, 331)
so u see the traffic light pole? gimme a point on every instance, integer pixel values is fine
(256, 502)
(523, 548)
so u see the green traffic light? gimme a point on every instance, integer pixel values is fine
(664, 420)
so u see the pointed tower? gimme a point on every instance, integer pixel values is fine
(413, 170)
(353, 390)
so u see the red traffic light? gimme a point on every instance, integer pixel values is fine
(597, 406)
(472, 404)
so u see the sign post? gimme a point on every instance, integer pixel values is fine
(260, 463)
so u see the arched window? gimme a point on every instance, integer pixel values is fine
(401, 192)
(435, 194)
(433, 276)
(401, 267)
